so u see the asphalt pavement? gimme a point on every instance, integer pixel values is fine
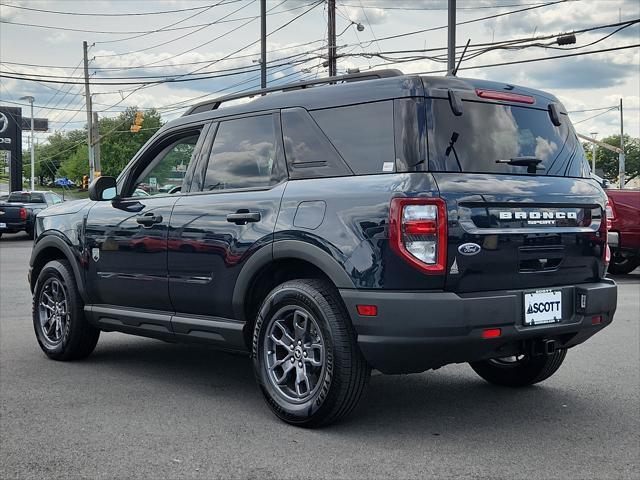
(141, 408)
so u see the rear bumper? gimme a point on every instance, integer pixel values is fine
(12, 227)
(416, 331)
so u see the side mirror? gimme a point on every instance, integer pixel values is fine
(102, 188)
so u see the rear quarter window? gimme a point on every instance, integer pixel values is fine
(487, 132)
(363, 135)
(19, 197)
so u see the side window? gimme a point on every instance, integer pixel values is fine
(165, 173)
(363, 134)
(243, 154)
(55, 198)
(309, 153)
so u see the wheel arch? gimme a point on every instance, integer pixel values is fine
(272, 265)
(52, 247)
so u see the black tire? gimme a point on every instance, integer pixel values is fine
(522, 372)
(622, 264)
(327, 335)
(68, 336)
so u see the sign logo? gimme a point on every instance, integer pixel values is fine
(4, 122)
(469, 249)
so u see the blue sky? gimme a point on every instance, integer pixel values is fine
(585, 82)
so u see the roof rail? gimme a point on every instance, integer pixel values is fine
(353, 77)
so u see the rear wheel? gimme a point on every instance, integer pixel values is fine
(58, 315)
(623, 263)
(519, 370)
(306, 359)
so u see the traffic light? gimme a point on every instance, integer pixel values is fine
(85, 182)
(137, 122)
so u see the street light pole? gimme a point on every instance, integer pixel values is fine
(30, 99)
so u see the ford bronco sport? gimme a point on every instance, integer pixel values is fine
(378, 220)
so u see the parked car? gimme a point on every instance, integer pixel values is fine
(63, 182)
(371, 221)
(623, 210)
(19, 210)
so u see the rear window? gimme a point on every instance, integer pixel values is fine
(25, 197)
(487, 132)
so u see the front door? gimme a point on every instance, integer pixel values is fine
(126, 239)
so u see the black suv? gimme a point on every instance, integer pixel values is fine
(378, 220)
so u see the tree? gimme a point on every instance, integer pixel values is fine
(49, 157)
(119, 145)
(76, 166)
(608, 160)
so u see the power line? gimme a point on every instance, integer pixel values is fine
(177, 38)
(130, 14)
(466, 22)
(592, 109)
(479, 7)
(596, 115)
(528, 60)
(138, 67)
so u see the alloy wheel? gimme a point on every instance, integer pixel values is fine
(295, 353)
(53, 311)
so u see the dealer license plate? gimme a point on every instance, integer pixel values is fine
(543, 306)
(3, 225)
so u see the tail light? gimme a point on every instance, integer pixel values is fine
(611, 213)
(418, 232)
(23, 213)
(605, 225)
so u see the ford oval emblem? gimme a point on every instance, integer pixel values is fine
(469, 248)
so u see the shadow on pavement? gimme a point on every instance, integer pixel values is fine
(437, 403)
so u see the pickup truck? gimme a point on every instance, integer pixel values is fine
(623, 210)
(19, 211)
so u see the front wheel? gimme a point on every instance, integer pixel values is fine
(519, 370)
(306, 359)
(58, 315)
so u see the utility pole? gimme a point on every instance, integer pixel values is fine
(451, 42)
(87, 94)
(594, 146)
(263, 43)
(621, 158)
(96, 145)
(331, 30)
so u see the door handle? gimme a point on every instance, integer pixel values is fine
(149, 219)
(243, 216)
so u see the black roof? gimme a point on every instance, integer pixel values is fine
(346, 90)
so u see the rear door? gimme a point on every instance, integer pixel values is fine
(228, 216)
(514, 229)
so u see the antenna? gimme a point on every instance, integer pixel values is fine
(455, 70)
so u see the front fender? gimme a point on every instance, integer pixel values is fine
(54, 245)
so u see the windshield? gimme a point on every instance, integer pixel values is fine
(486, 133)
(25, 197)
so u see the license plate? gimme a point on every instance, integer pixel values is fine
(3, 225)
(542, 307)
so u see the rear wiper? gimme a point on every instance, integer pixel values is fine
(530, 162)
